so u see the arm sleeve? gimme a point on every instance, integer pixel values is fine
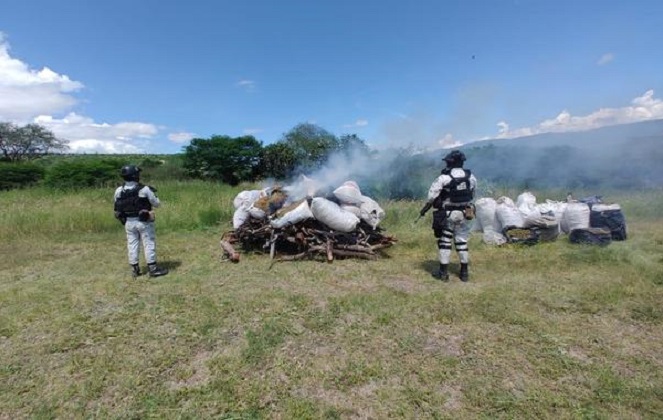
(149, 194)
(473, 182)
(437, 186)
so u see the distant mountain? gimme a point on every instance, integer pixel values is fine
(605, 137)
(620, 156)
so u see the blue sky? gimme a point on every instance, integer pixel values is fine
(147, 75)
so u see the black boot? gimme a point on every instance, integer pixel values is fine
(464, 273)
(442, 273)
(135, 270)
(156, 271)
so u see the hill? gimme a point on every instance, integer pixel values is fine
(623, 156)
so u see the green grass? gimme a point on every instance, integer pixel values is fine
(549, 331)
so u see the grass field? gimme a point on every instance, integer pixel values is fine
(550, 331)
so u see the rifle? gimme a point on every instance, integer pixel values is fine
(424, 210)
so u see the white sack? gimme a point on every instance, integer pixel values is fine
(371, 212)
(508, 214)
(348, 193)
(241, 215)
(332, 215)
(247, 198)
(352, 209)
(486, 219)
(554, 208)
(256, 212)
(493, 238)
(576, 216)
(526, 204)
(294, 216)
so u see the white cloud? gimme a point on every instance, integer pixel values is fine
(32, 95)
(605, 59)
(448, 142)
(181, 137)
(247, 85)
(356, 124)
(642, 108)
(85, 135)
(26, 92)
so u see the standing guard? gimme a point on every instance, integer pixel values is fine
(451, 194)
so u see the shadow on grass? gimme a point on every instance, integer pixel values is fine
(428, 266)
(170, 264)
(432, 266)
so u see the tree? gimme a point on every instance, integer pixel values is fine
(278, 161)
(228, 159)
(27, 142)
(310, 144)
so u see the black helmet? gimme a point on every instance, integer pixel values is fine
(130, 172)
(455, 159)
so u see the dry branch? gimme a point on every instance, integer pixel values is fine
(309, 239)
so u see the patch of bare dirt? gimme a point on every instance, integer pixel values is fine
(200, 375)
(405, 284)
(443, 340)
(454, 397)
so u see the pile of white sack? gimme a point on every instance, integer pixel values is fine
(551, 217)
(341, 211)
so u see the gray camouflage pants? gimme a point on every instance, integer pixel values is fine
(138, 232)
(456, 228)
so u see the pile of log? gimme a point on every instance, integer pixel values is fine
(309, 239)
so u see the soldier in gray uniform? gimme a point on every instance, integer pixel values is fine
(133, 207)
(451, 195)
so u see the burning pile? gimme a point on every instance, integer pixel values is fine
(298, 222)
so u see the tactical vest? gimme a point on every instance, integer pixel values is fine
(130, 204)
(458, 191)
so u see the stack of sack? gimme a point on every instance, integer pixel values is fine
(590, 221)
(523, 221)
(341, 211)
(526, 221)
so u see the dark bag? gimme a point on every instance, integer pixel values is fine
(524, 236)
(613, 220)
(439, 220)
(590, 236)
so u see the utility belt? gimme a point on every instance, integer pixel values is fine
(440, 215)
(143, 216)
(452, 206)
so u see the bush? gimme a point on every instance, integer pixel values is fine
(81, 174)
(17, 175)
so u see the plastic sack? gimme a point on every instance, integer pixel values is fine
(240, 216)
(576, 216)
(256, 212)
(553, 208)
(590, 236)
(247, 198)
(348, 193)
(508, 214)
(332, 215)
(298, 214)
(609, 216)
(523, 236)
(526, 204)
(352, 209)
(371, 212)
(486, 221)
